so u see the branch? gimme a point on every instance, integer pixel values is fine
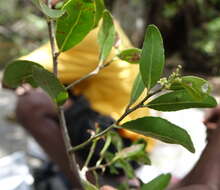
(71, 157)
(55, 55)
(75, 148)
(128, 110)
(92, 150)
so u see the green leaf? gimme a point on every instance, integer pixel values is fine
(75, 24)
(152, 57)
(106, 36)
(51, 13)
(142, 158)
(159, 183)
(161, 129)
(137, 89)
(134, 152)
(19, 72)
(22, 71)
(108, 141)
(47, 81)
(196, 86)
(130, 151)
(181, 99)
(88, 186)
(100, 6)
(129, 171)
(131, 55)
(123, 186)
(116, 140)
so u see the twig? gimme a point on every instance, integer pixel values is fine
(101, 166)
(91, 151)
(115, 124)
(75, 148)
(71, 157)
(92, 73)
(55, 55)
(96, 178)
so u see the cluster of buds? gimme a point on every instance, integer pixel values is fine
(175, 77)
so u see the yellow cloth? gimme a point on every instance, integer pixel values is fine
(109, 91)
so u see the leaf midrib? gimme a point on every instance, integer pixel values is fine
(176, 103)
(165, 138)
(71, 30)
(151, 60)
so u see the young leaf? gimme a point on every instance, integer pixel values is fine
(159, 183)
(88, 186)
(161, 129)
(131, 55)
(47, 81)
(181, 99)
(116, 140)
(134, 152)
(196, 86)
(100, 6)
(130, 151)
(106, 36)
(75, 24)
(129, 171)
(19, 72)
(152, 57)
(51, 13)
(142, 158)
(137, 89)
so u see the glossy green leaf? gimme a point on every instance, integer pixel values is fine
(152, 57)
(161, 129)
(181, 99)
(106, 36)
(137, 89)
(47, 81)
(159, 183)
(51, 13)
(196, 86)
(100, 6)
(19, 72)
(75, 24)
(131, 55)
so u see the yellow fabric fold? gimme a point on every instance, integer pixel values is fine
(109, 91)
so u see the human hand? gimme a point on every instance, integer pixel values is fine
(212, 122)
(106, 187)
(212, 119)
(33, 102)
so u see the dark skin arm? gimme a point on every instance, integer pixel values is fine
(36, 112)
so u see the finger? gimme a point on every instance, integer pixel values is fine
(213, 116)
(106, 187)
(211, 125)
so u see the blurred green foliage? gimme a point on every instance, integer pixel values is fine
(190, 28)
(200, 22)
(21, 30)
